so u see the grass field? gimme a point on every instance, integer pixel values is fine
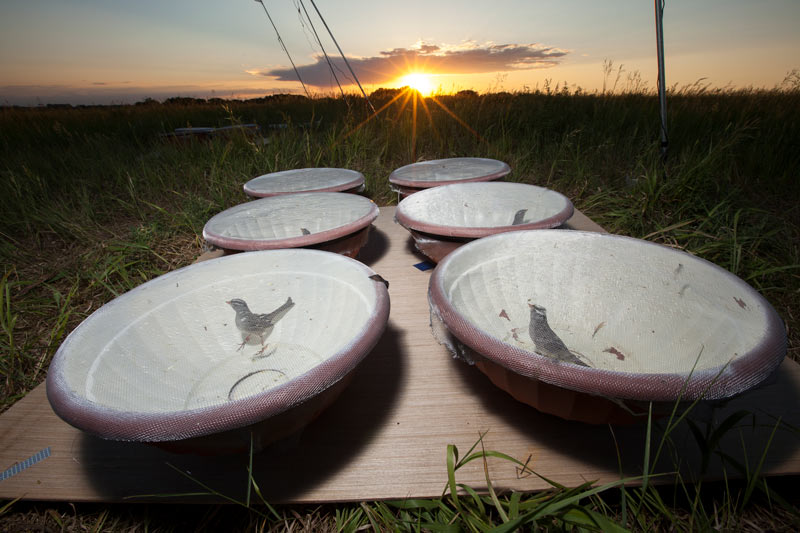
(93, 202)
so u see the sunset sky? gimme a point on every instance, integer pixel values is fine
(104, 51)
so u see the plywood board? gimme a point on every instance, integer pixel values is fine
(386, 436)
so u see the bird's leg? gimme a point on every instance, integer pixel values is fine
(241, 346)
(263, 346)
(259, 356)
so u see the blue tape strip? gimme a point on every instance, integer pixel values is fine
(27, 463)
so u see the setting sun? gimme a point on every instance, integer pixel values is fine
(418, 81)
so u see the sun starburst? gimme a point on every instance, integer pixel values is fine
(413, 90)
(418, 81)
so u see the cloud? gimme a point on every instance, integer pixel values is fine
(468, 58)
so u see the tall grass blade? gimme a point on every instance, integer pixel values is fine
(647, 436)
(489, 486)
(754, 478)
(452, 460)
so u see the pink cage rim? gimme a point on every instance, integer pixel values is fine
(115, 424)
(740, 374)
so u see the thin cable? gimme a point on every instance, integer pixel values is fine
(662, 88)
(330, 66)
(304, 26)
(343, 56)
(284, 47)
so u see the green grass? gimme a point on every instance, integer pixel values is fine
(751, 505)
(93, 202)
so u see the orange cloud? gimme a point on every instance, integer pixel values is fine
(467, 58)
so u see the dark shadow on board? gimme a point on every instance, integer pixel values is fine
(411, 247)
(600, 444)
(377, 246)
(283, 470)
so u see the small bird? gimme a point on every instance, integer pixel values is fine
(545, 341)
(250, 323)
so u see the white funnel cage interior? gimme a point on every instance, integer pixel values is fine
(459, 208)
(302, 219)
(171, 345)
(304, 180)
(452, 170)
(623, 306)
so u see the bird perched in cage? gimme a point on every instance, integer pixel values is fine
(545, 341)
(259, 324)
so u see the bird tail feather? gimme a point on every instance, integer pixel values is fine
(281, 311)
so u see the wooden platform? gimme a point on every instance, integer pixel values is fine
(386, 436)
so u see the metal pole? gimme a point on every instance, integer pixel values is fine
(662, 86)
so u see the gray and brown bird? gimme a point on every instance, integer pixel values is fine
(258, 324)
(545, 341)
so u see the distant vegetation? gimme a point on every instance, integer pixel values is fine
(94, 201)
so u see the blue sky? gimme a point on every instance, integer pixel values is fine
(93, 51)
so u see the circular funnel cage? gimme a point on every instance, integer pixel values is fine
(443, 218)
(168, 363)
(425, 174)
(564, 319)
(336, 221)
(305, 180)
